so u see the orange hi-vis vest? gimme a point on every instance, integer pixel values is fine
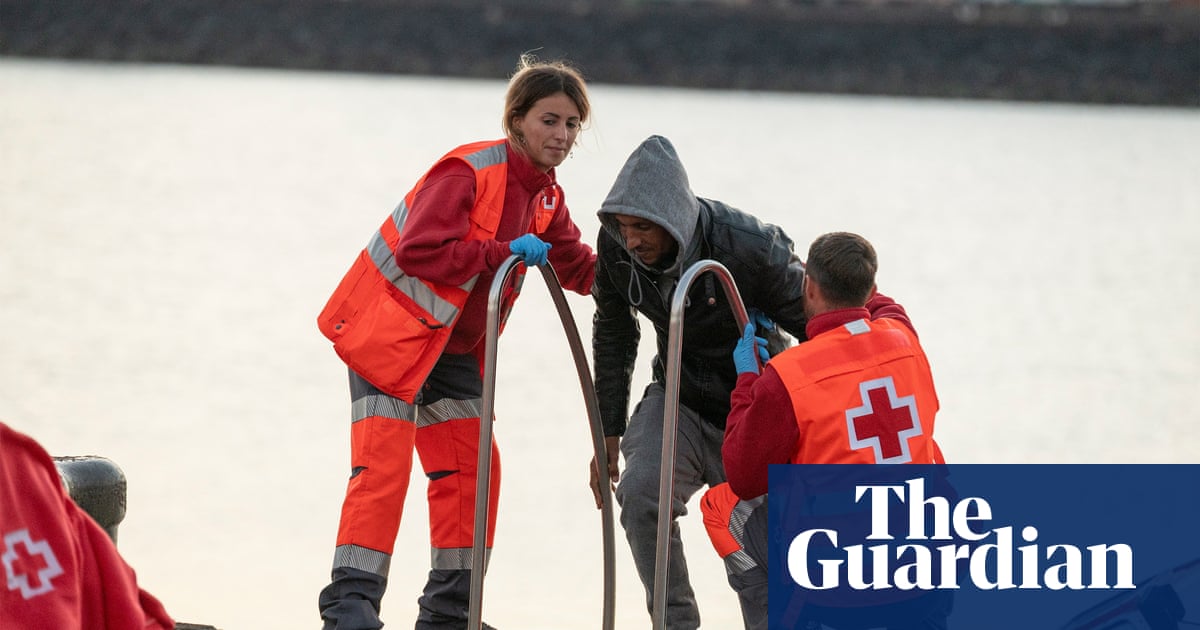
(862, 394)
(391, 327)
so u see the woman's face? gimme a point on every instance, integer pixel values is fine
(549, 130)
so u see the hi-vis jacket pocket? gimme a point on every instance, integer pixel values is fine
(381, 333)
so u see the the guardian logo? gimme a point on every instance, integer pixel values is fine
(924, 542)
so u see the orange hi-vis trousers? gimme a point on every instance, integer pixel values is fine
(732, 525)
(725, 517)
(444, 429)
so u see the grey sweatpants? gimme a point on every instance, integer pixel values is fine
(697, 464)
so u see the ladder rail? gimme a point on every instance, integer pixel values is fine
(671, 417)
(484, 468)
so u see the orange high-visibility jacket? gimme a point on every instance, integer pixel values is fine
(390, 327)
(862, 393)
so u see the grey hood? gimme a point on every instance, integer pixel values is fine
(654, 186)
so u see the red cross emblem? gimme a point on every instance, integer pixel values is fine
(885, 422)
(29, 566)
(549, 199)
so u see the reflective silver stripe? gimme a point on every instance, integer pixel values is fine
(491, 156)
(381, 405)
(858, 327)
(449, 409)
(379, 250)
(739, 562)
(738, 517)
(400, 216)
(457, 558)
(363, 559)
(385, 261)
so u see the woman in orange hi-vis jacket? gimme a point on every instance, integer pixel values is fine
(809, 405)
(409, 319)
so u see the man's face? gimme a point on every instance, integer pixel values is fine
(645, 239)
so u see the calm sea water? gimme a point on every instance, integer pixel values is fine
(168, 235)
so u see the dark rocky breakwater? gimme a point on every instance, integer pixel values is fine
(1147, 54)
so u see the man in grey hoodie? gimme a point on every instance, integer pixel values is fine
(653, 229)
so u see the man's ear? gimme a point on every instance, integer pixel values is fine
(812, 292)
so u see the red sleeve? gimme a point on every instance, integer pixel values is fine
(432, 245)
(64, 570)
(761, 430)
(881, 306)
(111, 592)
(573, 260)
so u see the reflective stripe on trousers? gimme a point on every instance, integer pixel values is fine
(725, 517)
(739, 561)
(443, 427)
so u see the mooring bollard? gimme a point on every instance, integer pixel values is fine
(98, 486)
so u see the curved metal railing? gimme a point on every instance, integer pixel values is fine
(484, 469)
(671, 418)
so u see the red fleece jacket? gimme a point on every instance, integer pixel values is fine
(432, 246)
(762, 428)
(61, 570)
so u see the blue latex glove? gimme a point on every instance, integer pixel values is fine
(759, 319)
(533, 250)
(744, 353)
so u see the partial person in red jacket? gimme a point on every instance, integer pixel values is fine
(812, 404)
(61, 570)
(409, 320)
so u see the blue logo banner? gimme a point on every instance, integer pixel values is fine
(985, 547)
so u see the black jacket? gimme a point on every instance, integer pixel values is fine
(759, 256)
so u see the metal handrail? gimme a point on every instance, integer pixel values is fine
(666, 483)
(484, 468)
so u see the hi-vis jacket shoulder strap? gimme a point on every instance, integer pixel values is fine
(390, 327)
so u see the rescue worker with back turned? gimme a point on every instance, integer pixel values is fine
(808, 406)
